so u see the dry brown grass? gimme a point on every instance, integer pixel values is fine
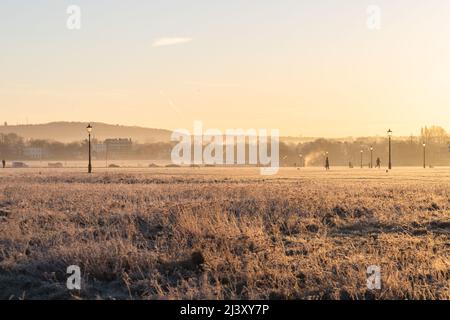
(225, 234)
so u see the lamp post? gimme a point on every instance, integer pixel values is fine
(362, 158)
(89, 130)
(424, 155)
(371, 157)
(390, 148)
(302, 164)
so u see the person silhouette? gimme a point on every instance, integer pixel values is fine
(327, 164)
(378, 163)
(4, 164)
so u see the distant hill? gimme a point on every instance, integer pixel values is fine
(76, 131)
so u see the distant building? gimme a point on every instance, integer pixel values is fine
(99, 148)
(113, 148)
(118, 146)
(35, 153)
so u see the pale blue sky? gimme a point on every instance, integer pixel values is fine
(305, 67)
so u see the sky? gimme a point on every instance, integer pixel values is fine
(308, 68)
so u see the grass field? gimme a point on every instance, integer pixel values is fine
(225, 233)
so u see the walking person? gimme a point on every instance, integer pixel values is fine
(378, 163)
(4, 164)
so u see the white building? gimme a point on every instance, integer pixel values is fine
(35, 153)
(99, 148)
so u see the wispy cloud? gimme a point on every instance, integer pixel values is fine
(170, 41)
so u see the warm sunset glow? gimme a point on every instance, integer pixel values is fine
(307, 68)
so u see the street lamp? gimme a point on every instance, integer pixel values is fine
(390, 148)
(89, 130)
(424, 155)
(302, 164)
(362, 151)
(371, 157)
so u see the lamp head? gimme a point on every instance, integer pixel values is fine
(89, 128)
(389, 133)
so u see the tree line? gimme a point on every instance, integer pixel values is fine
(405, 151)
